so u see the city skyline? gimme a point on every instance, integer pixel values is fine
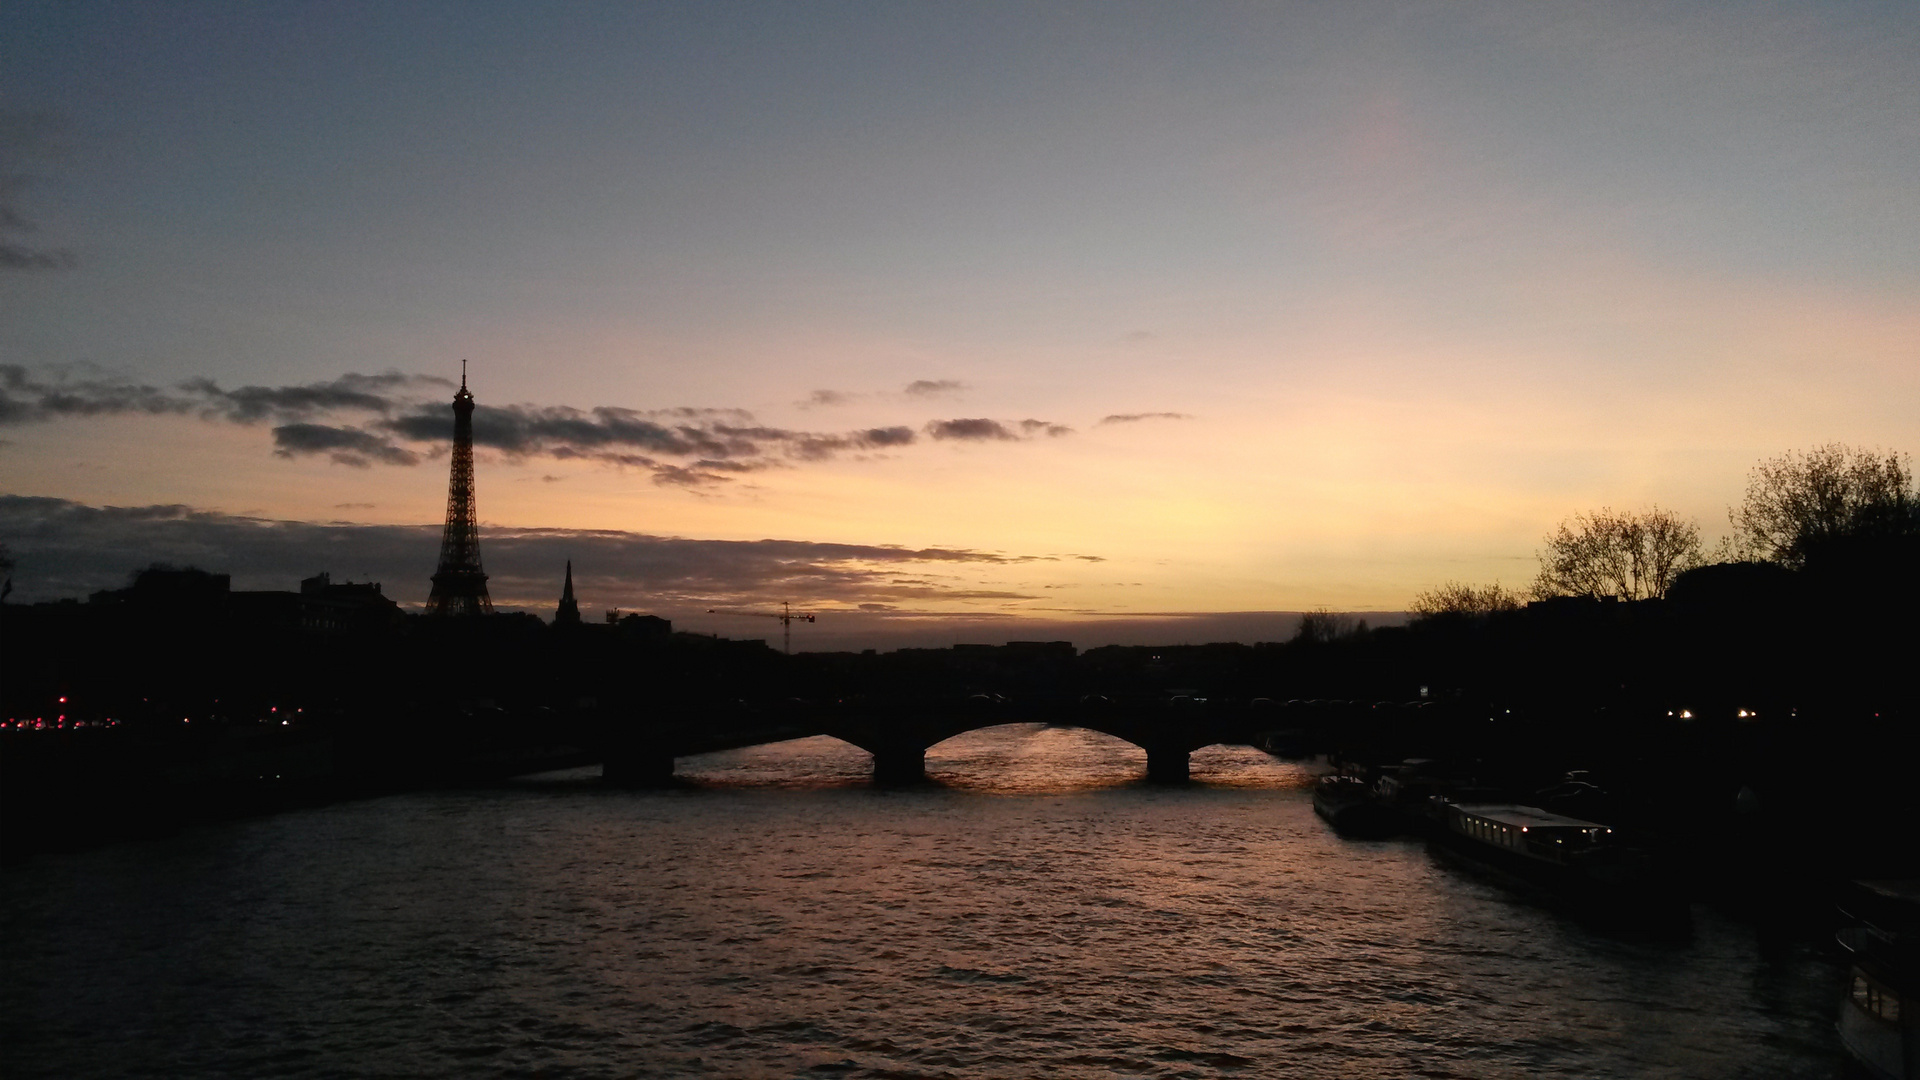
(997, 312)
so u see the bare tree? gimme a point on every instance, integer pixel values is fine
(1631, 555)
(1321, 625)
(1457, 598)
(1798, 503)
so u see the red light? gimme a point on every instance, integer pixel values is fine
(63, 699)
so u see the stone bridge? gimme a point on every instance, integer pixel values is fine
(898, 737)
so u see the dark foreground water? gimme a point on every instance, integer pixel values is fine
(1042, 914)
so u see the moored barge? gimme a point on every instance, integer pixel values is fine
(1577, 862)
(1353, 808)
(1879, 1025)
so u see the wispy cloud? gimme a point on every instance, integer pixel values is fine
(25, 136)
(1134, 418)
(1045, 427)
(934, 387)
(822, 399)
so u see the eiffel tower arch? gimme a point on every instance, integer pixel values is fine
(460, 585)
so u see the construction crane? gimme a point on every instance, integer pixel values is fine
(786, 615)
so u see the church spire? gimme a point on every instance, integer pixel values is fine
(569, 613)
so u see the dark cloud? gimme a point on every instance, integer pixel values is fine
(983, 430)
(396, 419)
(27, 397)
(934, 387)
(351, 392)
(976, 430)
(69, 549)
(815, 447)
(1132, 418)
(347, 446)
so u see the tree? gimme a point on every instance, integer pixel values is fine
(1800, 505)
(1323, 626)
(1620, 555)
(1459, 599)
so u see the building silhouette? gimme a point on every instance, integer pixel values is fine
(460, 585)
(337, 607)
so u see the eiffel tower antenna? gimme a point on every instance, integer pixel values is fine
(460, 585)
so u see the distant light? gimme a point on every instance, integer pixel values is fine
(63, 699)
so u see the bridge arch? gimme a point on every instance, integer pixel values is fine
(899, 739)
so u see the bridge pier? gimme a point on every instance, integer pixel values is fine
(898, 766)
(638, 768)
(1167, 765)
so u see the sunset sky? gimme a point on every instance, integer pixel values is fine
(1060, 311)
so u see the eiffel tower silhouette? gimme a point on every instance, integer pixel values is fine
(460, 585)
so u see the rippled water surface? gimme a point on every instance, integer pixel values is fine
(1041, 913)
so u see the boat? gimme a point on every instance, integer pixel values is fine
(1350, 805)
(1880, 1019)
(1577, 862)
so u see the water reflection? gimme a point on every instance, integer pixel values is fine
(1038, 912)
(1008, 759)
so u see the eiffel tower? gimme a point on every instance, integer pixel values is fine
(460, 585)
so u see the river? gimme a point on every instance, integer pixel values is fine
(1039, 912)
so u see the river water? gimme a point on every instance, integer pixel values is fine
(1041, 912)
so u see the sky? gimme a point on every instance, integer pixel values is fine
(940, 320)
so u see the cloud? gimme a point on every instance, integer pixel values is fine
(1045, 427)
(71, 549)
(1134, 418)
(25, 136)
(348, 446)
(367, 393)
(28, 397)
(980, 429)
(398, 419)
(16, 257)
(934, 387)
(826, 399)
(977, 430)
